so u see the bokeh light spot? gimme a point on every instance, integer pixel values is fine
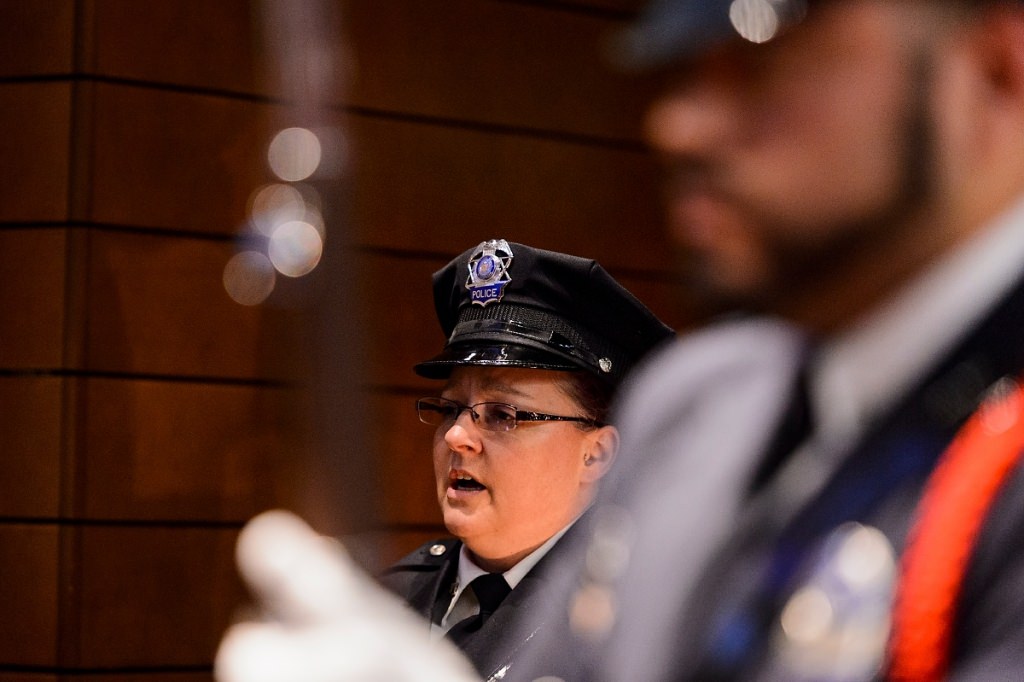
(592, 611)
(294, 154)
(249, 278)
(272, 205)
(807, 617)
(865, 558)
(756, 20)
(295, 248)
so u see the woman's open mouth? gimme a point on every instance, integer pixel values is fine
(460, 480)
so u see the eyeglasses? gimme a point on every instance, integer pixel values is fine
(487, 416)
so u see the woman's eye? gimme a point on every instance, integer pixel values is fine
(503, 415)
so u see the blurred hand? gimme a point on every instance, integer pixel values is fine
(324, 619)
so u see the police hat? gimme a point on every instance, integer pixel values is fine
(669, 30)
(511, 305)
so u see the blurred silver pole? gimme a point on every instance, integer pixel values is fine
(306, 58)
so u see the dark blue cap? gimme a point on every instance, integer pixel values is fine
(511, 305)
(670, 30)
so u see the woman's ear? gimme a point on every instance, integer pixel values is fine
(601, 448)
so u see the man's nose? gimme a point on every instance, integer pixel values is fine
(691, 120)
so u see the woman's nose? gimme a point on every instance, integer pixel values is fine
(463, 435)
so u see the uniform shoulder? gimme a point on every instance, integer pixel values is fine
(429, 555)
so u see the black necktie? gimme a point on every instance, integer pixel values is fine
(490, 589)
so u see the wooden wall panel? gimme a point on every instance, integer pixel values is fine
(27, 677)
(140, 677)
(405, 467)
(107, 676)
(404, 328)
(182, 451)
(32, 266)
(153, 596)
(28, 593)
(627, 7)
(34, 151)
(660, 293)
(36, 37)
(157, 305)
(176, 160)
(201, 179)
(500, 63)
(443, 189)
(213, 42)
(31, 424)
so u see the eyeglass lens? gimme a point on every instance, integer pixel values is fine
(489, 416)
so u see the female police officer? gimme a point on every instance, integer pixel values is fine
(537, 343)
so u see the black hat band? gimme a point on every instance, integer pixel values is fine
(552, 340)
(539, 327)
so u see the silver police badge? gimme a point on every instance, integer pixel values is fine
(488, 271)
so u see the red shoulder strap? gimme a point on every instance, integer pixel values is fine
(955, 503)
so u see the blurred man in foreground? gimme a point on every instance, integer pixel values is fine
(853, 184)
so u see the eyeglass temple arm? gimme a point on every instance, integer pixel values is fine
(524, 416)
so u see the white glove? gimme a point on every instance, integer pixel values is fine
(327, 621)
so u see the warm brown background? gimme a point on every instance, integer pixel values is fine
(143, 414)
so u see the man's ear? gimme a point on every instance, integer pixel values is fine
(982, 106)
(602, 446)
(1000, 32)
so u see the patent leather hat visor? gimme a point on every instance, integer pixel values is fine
(494, 355)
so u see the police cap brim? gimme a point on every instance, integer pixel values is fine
(669, 31)
(493, 355)
(672, 31)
